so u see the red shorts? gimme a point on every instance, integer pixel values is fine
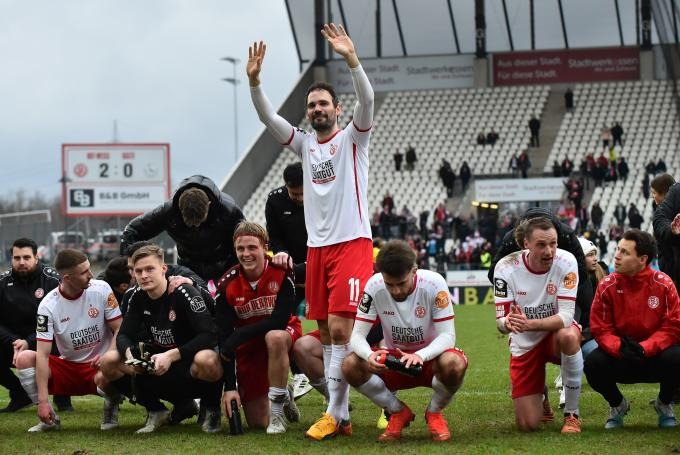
(252, 363)
(336, 276)
(71, 378)
(398, 381)
(314, 334)
(527, 372)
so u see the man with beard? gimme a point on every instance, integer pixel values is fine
(21, 290)
(335, 169)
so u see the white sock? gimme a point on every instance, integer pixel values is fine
(27, 380)
(441, 396)
(278, 397)
(378, 393)
(572, 372)
(327, 352)
(320, 385)
(338, 388)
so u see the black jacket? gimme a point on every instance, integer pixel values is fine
(566, 240)
(19, 300)
(669, 243)
(286, 225)
(208, 249)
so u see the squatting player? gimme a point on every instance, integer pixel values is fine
(335, 168)
(535, 292)
(81, 316)
(417, 320)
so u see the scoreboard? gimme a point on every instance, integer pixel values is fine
(114, 179)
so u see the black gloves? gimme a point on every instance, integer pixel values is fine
(631, 349)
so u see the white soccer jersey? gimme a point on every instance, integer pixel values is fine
(79, 326)
(408, 325)
(540, 295)
(335, 176)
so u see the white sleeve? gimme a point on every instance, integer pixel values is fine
(445, 339)
(363, 110)
(503, 296)
(45, 324)
(358, 339)
(277, 125)
(566, 293)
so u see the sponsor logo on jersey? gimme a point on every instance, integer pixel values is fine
(85, 338)
(42, 323)
(541, 311)
(260, 306)
(441, 300)
(323, 172)
(521, 292)
(163, 337)
(197, 304)
(500, 287)
(39, 293)
(500, 310)
(111, 301)
(388, 313)
(408, 334)
(570, 280)
(273, 286)
(551, 289)
(365, 304)
(66, 319)
(420, 311)
(93, 312)
(172, 315)
(653, 302)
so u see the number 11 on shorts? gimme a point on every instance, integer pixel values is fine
(354, 290)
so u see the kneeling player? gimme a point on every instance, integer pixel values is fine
(417, 320)
(253, 311)
(182, 346)
(81, 317)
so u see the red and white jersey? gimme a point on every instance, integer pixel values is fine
(408, 325)
(78, 325)
(539, 294)
(335, 176)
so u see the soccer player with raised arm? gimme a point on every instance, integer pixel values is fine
(335, 170)
(535, 292)
(417, 320)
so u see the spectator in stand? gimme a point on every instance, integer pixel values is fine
(447, 176)
(599, 173)
(596, 215)
(615, 233)
(617, 134)
(623, 169)
(567, 166)
(465, 174)
(535, 128)
(667, 231)
(514, 165)
(602, 160)
(386, 223)
(556, 169)
(620, 213)
(388, 202)
(481, 139)
(375, 223)
(492, 137)
(612, 174)
(601, 244)
(606, 136)
(582, 215)
(398, 159)
(645, 186)
(524, 164)
(411, 158)
(613, 157)
(651, 167)
(569, 101)
(589, 168)
(635, 219)
(661, 184)
(660, 167)
(424, 215)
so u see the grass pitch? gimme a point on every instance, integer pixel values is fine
(480, 418)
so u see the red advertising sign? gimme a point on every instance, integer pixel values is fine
(566, 66)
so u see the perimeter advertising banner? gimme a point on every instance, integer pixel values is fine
(566, 66)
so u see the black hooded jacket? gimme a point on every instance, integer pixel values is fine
(669, 243)
(207, 249)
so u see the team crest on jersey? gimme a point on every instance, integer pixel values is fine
(500, 287)
(93, 312)
(273, 287)
(570, 280)
(171, 315)
(551, 289)
(333, 149)
(653, 302)
(197, 304)
(365, 304)
(420, 311)
(39, 293)
(441, 301)
(42, 323)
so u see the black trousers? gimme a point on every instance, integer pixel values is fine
(7, 378)
(604, 372)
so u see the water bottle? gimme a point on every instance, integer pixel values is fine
(395, 364)
(235, 426)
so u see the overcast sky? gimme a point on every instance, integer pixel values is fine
(69, 68)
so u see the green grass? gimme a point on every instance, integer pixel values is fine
(480, 418)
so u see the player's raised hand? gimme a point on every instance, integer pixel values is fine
(338, 39)
(254, 66)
